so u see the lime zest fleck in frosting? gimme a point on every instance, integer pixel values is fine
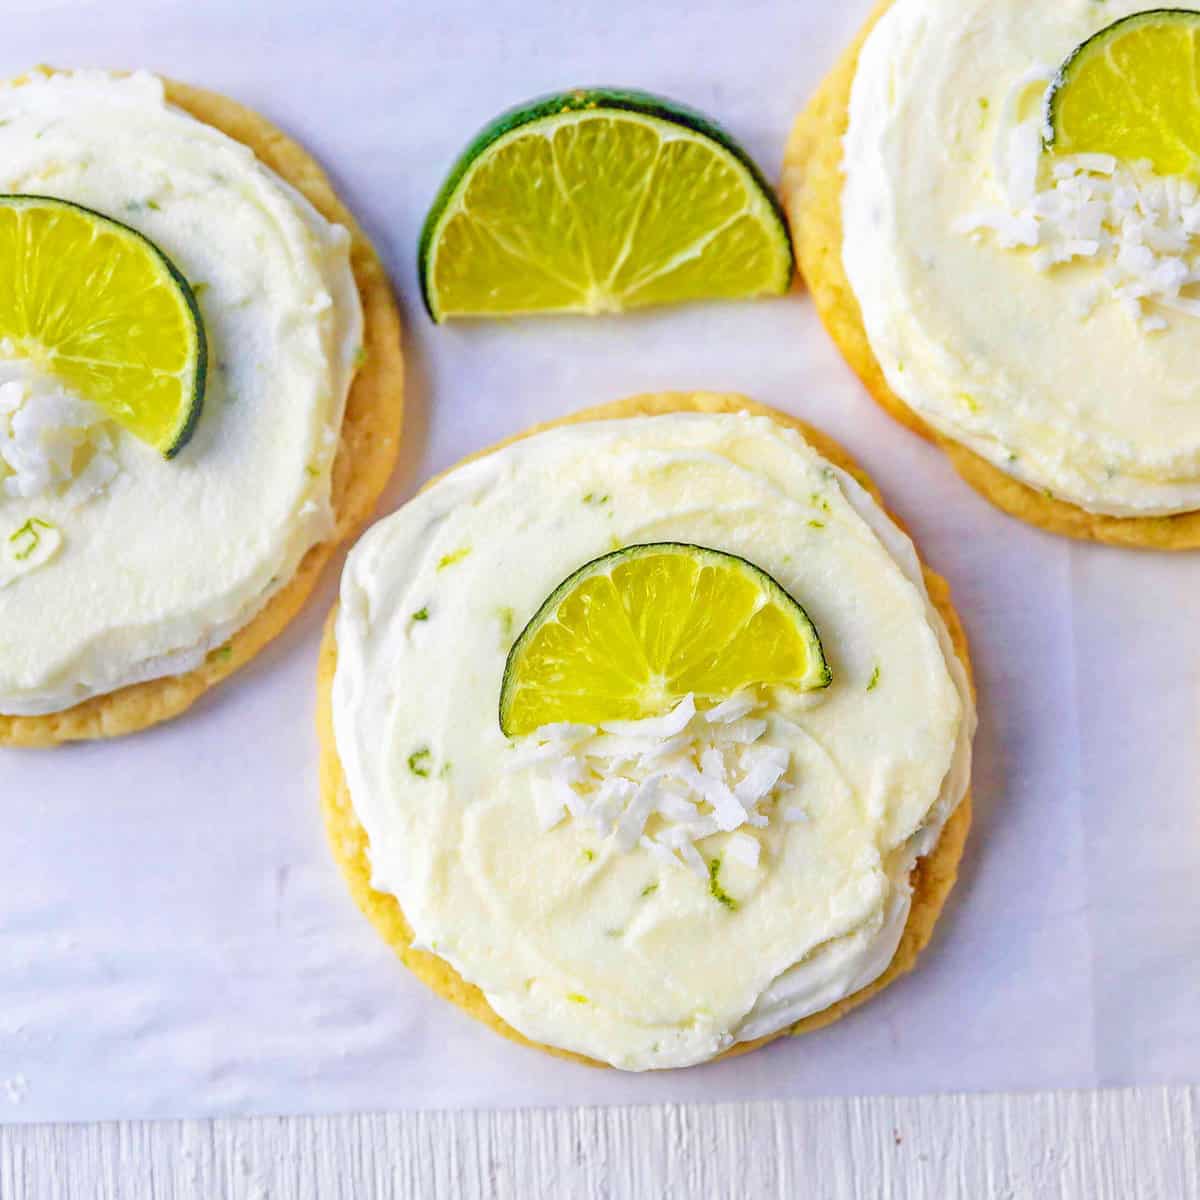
(874, 679)
(30, 534)
(718, 893)
(448, 560)
(508, 624)
(422, 614)
(419, 761)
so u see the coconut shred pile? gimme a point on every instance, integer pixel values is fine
(1141, 229)
(50, 442)
(667, 782)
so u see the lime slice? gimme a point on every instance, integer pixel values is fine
(104, 311)
(1130, 91)
(600, 201)
(629, 634)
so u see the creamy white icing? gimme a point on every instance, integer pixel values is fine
(166, 559)
(1040, 371)
(582, 939)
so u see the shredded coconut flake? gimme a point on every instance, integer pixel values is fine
(549, 806)
(743, 848)
(637, 813)
(676, 721)
(1142, 228)
(692, 860)
(764, 769)
(664, 783)
(51, 443)
(733, 709)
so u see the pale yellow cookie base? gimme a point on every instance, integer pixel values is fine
(812, 192)
(370, 442)
(932, 878)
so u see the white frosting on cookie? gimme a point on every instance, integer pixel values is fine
(156, 562)
(591, 934)
(1037, 311)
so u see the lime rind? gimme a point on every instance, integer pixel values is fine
(584, 100)
(1094, 44)
(182, 433)
(187, 427)
(819, 675)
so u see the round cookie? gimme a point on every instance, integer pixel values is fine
(367, 450)
(932, 878)
(812, 191)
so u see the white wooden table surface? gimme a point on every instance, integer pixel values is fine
(1119, 1144)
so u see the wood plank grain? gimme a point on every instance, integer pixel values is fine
(1141, 1142)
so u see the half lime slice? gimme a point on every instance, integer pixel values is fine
(100, 308)
(600, 200)
(1130, 91)
(631, 633)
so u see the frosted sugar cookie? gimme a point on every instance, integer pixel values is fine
(645, 737)
(174, 466)
(1026, 300)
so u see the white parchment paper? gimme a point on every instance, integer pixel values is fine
(174, 938)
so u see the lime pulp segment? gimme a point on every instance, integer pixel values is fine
(1132, 90)
(631, 633)
(600, 201)
(100, 308)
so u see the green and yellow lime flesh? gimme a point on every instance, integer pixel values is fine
(1130, 91)
(600, 200)
(630, 634)
(102, 309)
